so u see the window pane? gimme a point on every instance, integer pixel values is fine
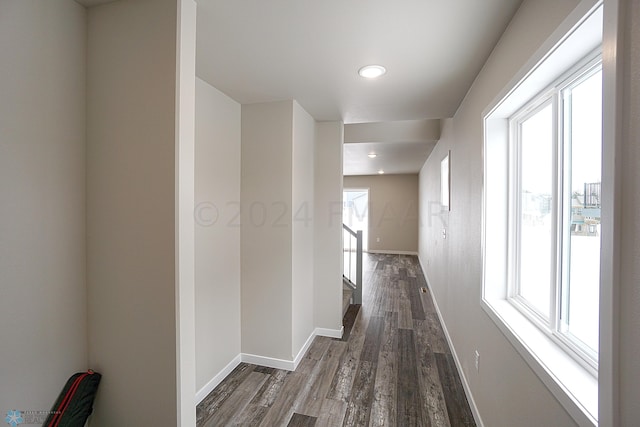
(582, 256)
(536, 192)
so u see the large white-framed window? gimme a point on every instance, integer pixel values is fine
(541, 211)
(555, 146)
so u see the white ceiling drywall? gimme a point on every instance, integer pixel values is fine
(90, 3)
(262, 51)
(392, 158)
(401, 147)
(310, 51)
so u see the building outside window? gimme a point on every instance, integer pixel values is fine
(554, 240)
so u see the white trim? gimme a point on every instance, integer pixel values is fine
(330, 333)
(388, 252)
(291, 365)
(304, 349)
(463, 378)
(217, 379)
(553, 96)
(269, 362)
(567, 27)
(184, 224)
(575, 388)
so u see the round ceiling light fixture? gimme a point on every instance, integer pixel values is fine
(372, 155)
(381, 172)
(372, 71)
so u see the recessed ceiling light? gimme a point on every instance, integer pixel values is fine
(372, 71)
(372, 155)
(381, 172)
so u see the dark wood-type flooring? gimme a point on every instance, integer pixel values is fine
(392, 367)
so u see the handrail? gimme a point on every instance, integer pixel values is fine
(353, 272)
(346, 227)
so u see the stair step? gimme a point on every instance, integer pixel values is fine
(347, 285)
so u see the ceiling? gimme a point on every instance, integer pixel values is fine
(91, 3)
(260, 51)
(310, 51)
(400, 147)
(392, 158)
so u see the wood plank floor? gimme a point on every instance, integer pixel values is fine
(392, 367)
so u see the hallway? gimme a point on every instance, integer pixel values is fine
(392, 367)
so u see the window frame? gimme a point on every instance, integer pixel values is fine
(553, 96)
(575, 387)
(592, 65)
(528, 110)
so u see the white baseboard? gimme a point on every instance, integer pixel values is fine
(331, 333)
(272, 362)
(269, 362)
(304, 349)
(213, 383)
(388, 252)
(322, 332)
(463, 378)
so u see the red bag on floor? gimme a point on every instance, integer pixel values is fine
(75, 403)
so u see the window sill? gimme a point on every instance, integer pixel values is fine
(573, 385)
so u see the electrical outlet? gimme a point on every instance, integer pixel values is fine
(444, 233)
(477, 361)
(377, 239)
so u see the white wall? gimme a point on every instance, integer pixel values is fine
(505, 389)
(278, 250)
(42, 193)
(185, 288)
(217, 237)
(266, 242)
(328, 226)
(302, 204)
(629, 291)
(131, 210)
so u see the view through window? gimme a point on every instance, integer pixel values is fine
(556, 175)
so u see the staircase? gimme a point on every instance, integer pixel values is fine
(352, 274)
(347, 295)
